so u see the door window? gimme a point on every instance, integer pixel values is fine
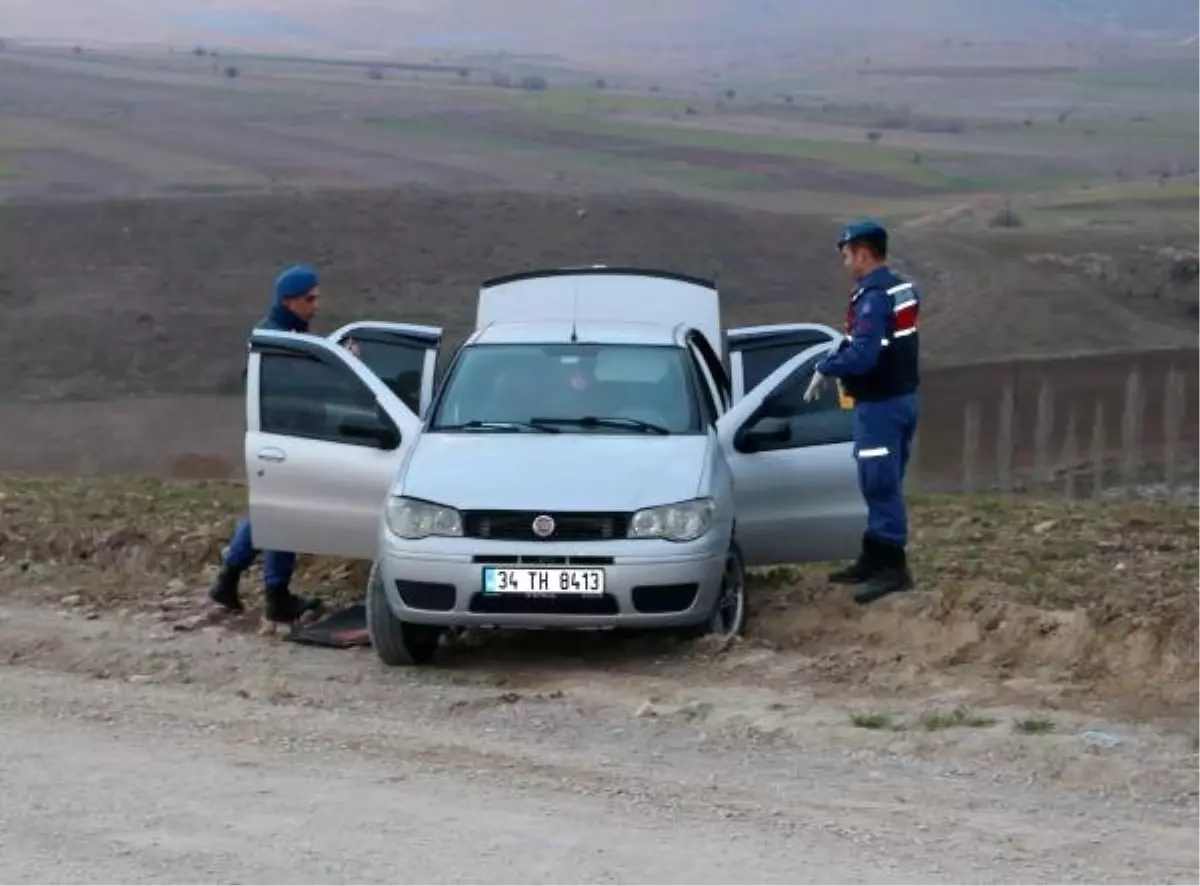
(760, 361)
(785, 421)
(400, 366)
(302, 396)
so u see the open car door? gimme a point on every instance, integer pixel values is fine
(404, 357)
(757, 351)
(795, 479)
(324, 440)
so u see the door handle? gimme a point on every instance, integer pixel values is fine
(272, 453)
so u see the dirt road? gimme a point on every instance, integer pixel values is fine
(138, 754)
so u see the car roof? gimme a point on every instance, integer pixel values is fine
(586, 331)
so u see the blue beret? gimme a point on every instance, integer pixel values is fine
(858, 230)
(296, 281)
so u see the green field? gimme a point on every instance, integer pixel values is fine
(617, 144)
(1172, 207)
(912, 143)
(462, 135)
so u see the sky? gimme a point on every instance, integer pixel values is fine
(571, 25)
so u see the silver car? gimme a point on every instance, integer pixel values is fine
(588, 460)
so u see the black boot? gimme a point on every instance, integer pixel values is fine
(861, 569)
(284, 607)
(890, 577)
(224, 590)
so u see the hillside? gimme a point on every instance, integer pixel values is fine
(111, 298)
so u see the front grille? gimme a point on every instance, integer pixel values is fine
(568, 525)
(520, 604)
(539, 560)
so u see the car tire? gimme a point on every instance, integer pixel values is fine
(397, 643)
(728, 618)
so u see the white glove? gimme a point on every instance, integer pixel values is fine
(813, 391)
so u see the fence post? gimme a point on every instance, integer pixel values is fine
(1096, 456)
(970, 453)
(1004, 438)
(1070, 454)
(1131, 434)
(1043, 433)
(1174, 398)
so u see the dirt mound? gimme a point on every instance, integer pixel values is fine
(1102, 597)
(1098, 601)
(108, 299)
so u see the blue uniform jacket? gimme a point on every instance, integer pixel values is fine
(868, 327)
(882, 315)
(280, 319)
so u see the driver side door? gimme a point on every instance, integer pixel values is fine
(796, 491)
(325, 438)
(404, 356)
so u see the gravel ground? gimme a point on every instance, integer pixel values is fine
(137, 754)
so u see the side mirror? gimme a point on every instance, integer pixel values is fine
(763, 434)
(376, 429)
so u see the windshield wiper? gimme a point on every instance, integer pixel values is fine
(510, 426)
(599, 421)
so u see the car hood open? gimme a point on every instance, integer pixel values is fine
(554, 472)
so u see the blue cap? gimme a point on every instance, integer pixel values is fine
(862, 229)
(296, 281)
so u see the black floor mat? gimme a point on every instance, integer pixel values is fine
(341, 630)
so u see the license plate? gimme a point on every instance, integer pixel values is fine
(522, 580)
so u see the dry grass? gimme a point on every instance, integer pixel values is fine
(1100, 598)
(1115, 560)
(959, 718)
(1036, 724)
(120, 541)
(930, 721)
(876, 720)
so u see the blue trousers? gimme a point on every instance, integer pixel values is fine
(278, 566)
(883, 434)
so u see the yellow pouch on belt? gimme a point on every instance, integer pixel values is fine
(844, 400)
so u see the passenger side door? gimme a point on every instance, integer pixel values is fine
(324, 441)
(757, 351)
(404, 357)
(795, 479)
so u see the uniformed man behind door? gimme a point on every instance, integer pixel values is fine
(876, 365)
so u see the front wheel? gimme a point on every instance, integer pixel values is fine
(397, 642)
(728, 617)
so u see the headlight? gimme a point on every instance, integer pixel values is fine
(413, 518)
(685, 521)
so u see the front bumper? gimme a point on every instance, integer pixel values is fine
(648, 584)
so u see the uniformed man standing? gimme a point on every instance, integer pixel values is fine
(876, 365)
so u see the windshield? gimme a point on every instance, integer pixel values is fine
(568, 389)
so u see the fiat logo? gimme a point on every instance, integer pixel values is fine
(543, 526)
